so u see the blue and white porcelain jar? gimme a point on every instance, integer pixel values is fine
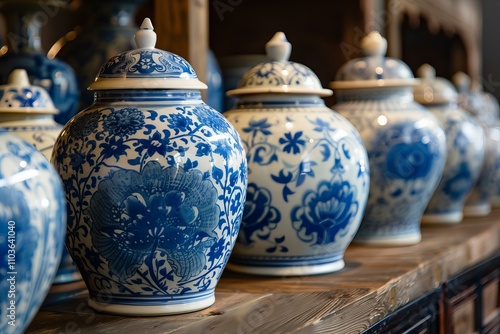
(308, 171)
(27, 111)
(155, 182)
(32, 226)
(471, 99)
(465, 143)
(406, 144)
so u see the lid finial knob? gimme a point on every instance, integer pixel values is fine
(426, 72)
(278, 48)
(145, 37)
(374, 44)
(19, 77)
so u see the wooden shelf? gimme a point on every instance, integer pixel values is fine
(375, 282)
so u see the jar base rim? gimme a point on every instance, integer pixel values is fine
(152, 310)
(396, 241)
(443, 218)
(304, 270)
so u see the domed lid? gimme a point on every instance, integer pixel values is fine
(279, 75)
(432, 90)
(146, 67)
(374, 70)
(19, 96)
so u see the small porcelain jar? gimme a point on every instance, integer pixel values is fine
(155, 182)
(471, 99)
(406, 144)
(27, 111)
(465, 142)
(308, 171)
(32, 226)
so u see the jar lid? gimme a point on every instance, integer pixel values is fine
(432, 89)
(374, 70)
(279, 75)
(19, 96)
(146, 67)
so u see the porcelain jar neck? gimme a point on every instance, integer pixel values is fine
(400, 94)
(279, 100)
(157, 96)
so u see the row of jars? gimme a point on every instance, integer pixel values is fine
(160, 191)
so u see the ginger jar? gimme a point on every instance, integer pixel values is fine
(406, 144)
(465, 144)
(27, 111)
(155, 182)
(308, 173)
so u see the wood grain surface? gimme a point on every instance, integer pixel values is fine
(375, 282)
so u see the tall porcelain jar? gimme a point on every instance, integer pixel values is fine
(465, 142)
(308, 171)
(471, 99)
(32, 226)
(155, 182)
(406, 144)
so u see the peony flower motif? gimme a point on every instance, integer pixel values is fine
(259, 216)
(123, 122)
(213, 120)
(325, 212)
(89, 121)
(137, 214)
(179, 123)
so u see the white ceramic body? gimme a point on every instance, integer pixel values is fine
(32, 226)
(406, 148)
(465, 146)
(155, 182)
(308, 185)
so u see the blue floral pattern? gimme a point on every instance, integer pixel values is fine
(158, 195)
(32, 204)
(147, 63)
(277, 73)
(323, 178)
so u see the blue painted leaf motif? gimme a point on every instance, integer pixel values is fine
(282, 177)
(325, 152)
(325, 212)
(287, 192)
(271, 249)
(256, 126)
(279, 240)
(134, 219)
(346, 151)
(259, 216)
